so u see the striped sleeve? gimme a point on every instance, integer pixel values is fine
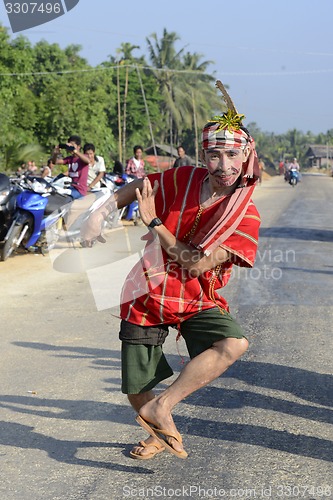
(243, 243)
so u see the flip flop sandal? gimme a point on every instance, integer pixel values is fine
(158, 433)
(147, 456)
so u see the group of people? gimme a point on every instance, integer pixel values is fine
(87, 169)
(27, 168)
(201, 222)
(84, 166)
(30, 168)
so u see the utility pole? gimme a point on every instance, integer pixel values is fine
(120, 149)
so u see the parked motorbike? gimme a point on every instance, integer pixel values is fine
(115, 182)
(9, 189)
(61, 183)
(293, 177)
(5, 188)
(39, 207)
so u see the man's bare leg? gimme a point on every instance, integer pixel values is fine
(199, 372)
(137, 401)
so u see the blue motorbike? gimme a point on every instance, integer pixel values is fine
(293, 177)
(37, 220)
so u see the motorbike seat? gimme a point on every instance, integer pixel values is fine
(55, 201)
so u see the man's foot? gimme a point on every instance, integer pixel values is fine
(147, 449)
(169, 438)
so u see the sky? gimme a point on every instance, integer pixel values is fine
(275, 56)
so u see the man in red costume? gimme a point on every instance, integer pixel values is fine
(201, 222)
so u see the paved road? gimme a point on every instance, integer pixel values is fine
(262, 431)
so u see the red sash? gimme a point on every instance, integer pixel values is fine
(224, 221)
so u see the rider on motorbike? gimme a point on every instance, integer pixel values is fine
(294, 175)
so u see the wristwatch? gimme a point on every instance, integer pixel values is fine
(155, 222)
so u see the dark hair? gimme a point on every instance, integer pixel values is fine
(118, 167)
(246, 131)
(88, 146)
(76, 139)
(49, 161)
(136, 148)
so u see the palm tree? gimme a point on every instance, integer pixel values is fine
(166, 60)
(188, 94)
(126, 50)
(199, 95)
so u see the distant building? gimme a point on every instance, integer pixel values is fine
(319, 156)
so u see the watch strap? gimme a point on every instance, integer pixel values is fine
(155, 222)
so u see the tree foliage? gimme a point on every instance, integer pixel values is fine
(48, 93)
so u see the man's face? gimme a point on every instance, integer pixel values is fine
(225, 165)
(138, 154)
(181, 152)
(91, 155)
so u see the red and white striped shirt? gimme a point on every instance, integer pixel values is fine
(158, 290)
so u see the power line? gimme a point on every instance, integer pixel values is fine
(134, 66)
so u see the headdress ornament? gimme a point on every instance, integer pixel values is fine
(227, 131)
(230, 120)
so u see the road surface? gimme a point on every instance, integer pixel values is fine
(264, 430)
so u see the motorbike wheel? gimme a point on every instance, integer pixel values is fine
(11, 244)
(293, 182)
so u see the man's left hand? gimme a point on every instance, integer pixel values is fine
(146, 200)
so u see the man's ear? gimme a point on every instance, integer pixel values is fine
(246, 153)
